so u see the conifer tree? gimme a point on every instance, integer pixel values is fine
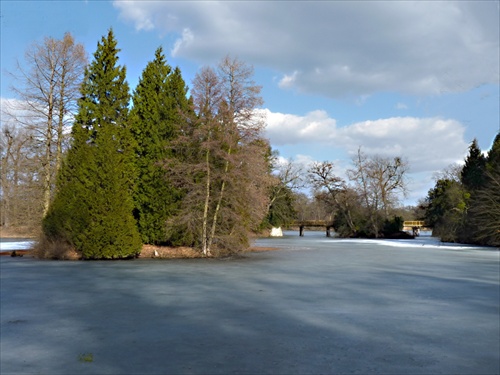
(493, 160)
(159, 101)
(92, 210)
(485, 205)
(472, 175)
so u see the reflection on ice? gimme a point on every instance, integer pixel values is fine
(317, 239)
(15, 244)
(428, 242)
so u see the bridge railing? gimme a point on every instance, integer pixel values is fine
(414, 223)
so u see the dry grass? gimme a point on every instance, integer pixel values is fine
(18, 232)
(166, 252)
(258, 249)
(46, 249)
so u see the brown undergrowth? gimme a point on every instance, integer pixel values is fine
(18, 232)
(59, 250)
(166, 252)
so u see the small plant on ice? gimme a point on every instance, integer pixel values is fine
(86, 357)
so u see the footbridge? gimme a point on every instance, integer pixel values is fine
(328, 225)
(414, 226)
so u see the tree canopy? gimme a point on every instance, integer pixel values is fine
(92, 209)
(159, 104)
(166, 165)
(467, 209)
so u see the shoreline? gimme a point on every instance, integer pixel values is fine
(149, 252)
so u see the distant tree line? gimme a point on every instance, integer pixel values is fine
(367, 203)
(464, 205)
(33, 135)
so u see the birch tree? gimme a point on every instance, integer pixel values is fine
(221, 160)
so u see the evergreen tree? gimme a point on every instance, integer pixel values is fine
(92, 210)
(472, 175)
(473, 178)
(485, 205)
(159, 102)
(446, 209)
(493, 159)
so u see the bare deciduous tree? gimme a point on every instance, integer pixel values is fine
(20, 198)
(378, 181)
(224, 152)
(47, 88)
(286, 179)
(333, 190)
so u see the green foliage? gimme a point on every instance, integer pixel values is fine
(468, 210)
(92, 209)
(393, 225)
(281, 211)
(493, 160)
(159, 103)
(472, 175)
(86, 357)
(484, 213)
(447, 204)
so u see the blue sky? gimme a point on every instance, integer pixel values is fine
(412, 79)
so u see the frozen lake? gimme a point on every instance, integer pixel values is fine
(9, 244)
(318, 305)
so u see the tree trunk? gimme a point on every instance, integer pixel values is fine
(205, 245)
(219, 202)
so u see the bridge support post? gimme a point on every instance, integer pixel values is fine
(301, 231)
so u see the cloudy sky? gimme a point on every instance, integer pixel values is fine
(397, 78)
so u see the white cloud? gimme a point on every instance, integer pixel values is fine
(14, 112)
(287, 129)
(186, 39)
(401, 106)
(288, 80)
(339, 48)
(142, 17)
(430, 144)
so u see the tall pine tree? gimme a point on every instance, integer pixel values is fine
(159, 104)
(472, 175)
(92, 210)
(485, 206)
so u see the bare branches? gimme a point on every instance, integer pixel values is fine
(47, 88)
(322, 177)
(379, 180)
(223, 149)
(364, 202)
